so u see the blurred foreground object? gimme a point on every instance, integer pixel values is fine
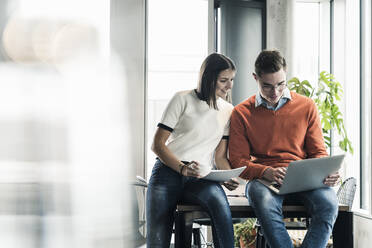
(64, 171)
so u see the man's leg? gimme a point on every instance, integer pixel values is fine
(268, 208)
(322, 205)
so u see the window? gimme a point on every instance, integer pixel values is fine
(312, 40)
(346, 57)
(336, 36)
(306, 41)
(365, 84)
(177, 45)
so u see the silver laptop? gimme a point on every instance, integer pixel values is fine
(306, 174)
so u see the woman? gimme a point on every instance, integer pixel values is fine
(195, 126)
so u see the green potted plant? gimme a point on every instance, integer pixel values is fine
(245, 233)
(326, 96)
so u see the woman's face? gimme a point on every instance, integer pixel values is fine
(224, 82)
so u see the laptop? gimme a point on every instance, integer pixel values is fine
(307, 174)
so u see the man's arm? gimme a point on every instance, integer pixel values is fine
(314, 141)
(315, 146)
(240, 148)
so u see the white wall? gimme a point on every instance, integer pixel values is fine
(362, 231)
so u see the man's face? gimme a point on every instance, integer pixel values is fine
(271, 86)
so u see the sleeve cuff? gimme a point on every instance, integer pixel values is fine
(253, 170)
(161, 125)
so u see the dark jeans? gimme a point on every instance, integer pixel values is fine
(166, 188)
(321, 204)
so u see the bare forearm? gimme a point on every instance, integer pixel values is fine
(220, 156)
(222, 163)
(163, 152)
(167, 157)
(192, 169)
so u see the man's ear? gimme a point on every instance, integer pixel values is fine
(255, 76)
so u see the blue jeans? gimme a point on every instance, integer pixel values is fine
(321, 204)
(166, 188)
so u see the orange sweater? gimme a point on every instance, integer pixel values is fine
(260, 137)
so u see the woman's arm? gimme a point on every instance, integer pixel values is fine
(222, 163)
(220, 156)
(168, 158)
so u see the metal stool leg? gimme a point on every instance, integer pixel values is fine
(196, 236)
(260, 239)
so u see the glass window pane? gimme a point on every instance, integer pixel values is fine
(365, 179)
(177, 45)
(306, 42)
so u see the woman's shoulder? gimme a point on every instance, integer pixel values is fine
(183, 96)
(181, 93)
(225, 105)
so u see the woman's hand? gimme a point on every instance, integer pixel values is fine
(332, 179)
(192, 169)
(232, 184)
(275, 174)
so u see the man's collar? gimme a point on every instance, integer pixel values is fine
(260, 100)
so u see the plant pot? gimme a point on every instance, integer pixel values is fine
(241, 242)
(251, 244)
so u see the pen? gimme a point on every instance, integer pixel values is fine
(235, 195)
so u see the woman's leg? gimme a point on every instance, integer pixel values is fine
(164, 191)
(268, 208)
(212, 198)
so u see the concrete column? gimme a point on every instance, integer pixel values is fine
(128, 45)
(211, 27)
(280, 28)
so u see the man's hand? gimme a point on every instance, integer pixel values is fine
(231, 184)
(332, 179)
(275, 174)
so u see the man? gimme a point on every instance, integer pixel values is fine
(267, 132)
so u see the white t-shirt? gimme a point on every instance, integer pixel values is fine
(196, 128)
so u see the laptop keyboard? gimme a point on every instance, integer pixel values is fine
(276, 185)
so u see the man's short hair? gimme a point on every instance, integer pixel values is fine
(269, 61)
